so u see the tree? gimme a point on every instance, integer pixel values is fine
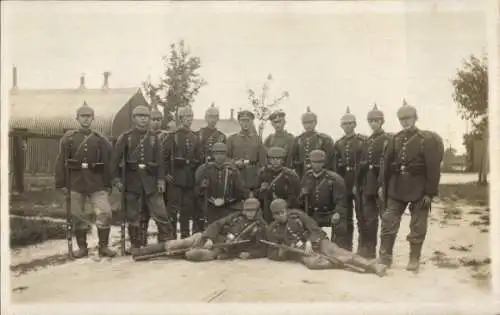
(471, 95)
(262, 108)
(179, 84)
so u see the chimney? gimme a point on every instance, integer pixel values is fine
(105, 84)
(231, 115)
(82, 81)
(14, 77)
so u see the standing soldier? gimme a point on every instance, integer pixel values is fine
(140, 152)
(411, 172)
(219, 185)
(277, 181)
(181, 159)
(246, 150)
(324, 196)
(280, 138)
(155, 126)
(86, 154)
(347, 156)
(369, 169)
(210, 134)
(308, 141)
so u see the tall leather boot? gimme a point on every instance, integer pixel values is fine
(104, 250)
(144, 233)
(135, 241)
(414, 261)
(173, 221)
(386, 247)
(81, 241)
(165, 231)
(369, 265)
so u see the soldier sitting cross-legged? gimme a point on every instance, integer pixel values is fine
(295, 236)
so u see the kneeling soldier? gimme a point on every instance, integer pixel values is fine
(85, 153)
(219, 185)
(295, 236)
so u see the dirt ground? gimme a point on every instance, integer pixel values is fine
(453, 242)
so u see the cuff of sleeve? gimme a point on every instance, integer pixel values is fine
(115, 181)
(160, 182)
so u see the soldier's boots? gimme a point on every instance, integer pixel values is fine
(378, 268)
(135, 241)
(165, 232)
(144, 233)
(386, 247)
(104, 250)
(369, 265)
(81, 241)
(414, 261)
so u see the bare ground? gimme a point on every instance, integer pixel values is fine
(456, 268)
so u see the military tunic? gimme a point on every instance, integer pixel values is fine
(411, 170)
(283, 140)
(88, 155)
(182, 154)
(283, 183)
(234, 227)
(224, 183)
(348, 151)
(207, 137)
(249, 149)
(307, 142)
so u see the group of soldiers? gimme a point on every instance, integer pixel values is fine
(239, 196)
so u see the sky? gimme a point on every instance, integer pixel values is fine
(326, 55)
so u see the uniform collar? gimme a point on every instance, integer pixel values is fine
(85, 131)
(377, 133)
(140, 131)
(318, 175)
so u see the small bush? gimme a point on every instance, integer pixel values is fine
(25, 232)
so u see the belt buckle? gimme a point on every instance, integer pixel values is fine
(348, 168)
(142, 166)
(308, 165)
(370, 167)
(85, 165)
(218, 202)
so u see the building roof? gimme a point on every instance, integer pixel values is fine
(63, 103)
(226, 126)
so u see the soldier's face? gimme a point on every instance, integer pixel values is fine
(156, 122)
(186, 120)
(278, 124)
(85, 120)
(220, 157)
(212, 120)
(141, 121)
(245, 123)
(171, 125)
(309, 125)
(407, 122)
(249, 213)
(348, 127)
(276, 162)
(317, 165)
(280, 215)
(375, 124)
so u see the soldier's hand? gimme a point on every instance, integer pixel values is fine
(169, 178)
(119, 186)
(281, 252)
(304, 192)
(64, 191)
(335, 218)
(308, 250)
(380, 193)
(354, 190)
(208, 244)
(244, 255)
(161, 187)
(426, 202)
(204, 183)
(264, 186)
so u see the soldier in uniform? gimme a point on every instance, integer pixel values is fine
(324, 196)
(155, 126)
(347, 155)
(280, 138)
(182, 153)
(411, 172)
(219, 185)
(308, 141)
(295, 229)
(369, 169)
(210, 134)
(277, 181)
(246, 150)
(140, 152)
(86, 154)
(246, 224)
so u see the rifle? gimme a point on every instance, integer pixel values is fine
(124, 202)
(301, 252)
(69, 223)
(168, 253)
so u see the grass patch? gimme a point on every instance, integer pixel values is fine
(25, 232)
(471, 193)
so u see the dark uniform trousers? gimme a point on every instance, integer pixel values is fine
(182, 208)
(217, 213)
(371, 213)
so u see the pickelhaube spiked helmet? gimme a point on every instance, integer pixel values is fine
(85, 109)
(308, 115)
(375, 113)
(406, 110)
(277, 205)
(348, 117)
(251, 203)
(212, 110)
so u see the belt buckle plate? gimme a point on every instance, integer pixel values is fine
(348, 168)
(370, 167)
(142, 166)
(85, 165)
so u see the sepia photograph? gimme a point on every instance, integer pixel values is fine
(228, 152)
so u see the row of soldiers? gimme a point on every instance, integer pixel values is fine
(203, 176)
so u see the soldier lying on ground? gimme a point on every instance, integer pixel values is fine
(295, 236)
(236, 235)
